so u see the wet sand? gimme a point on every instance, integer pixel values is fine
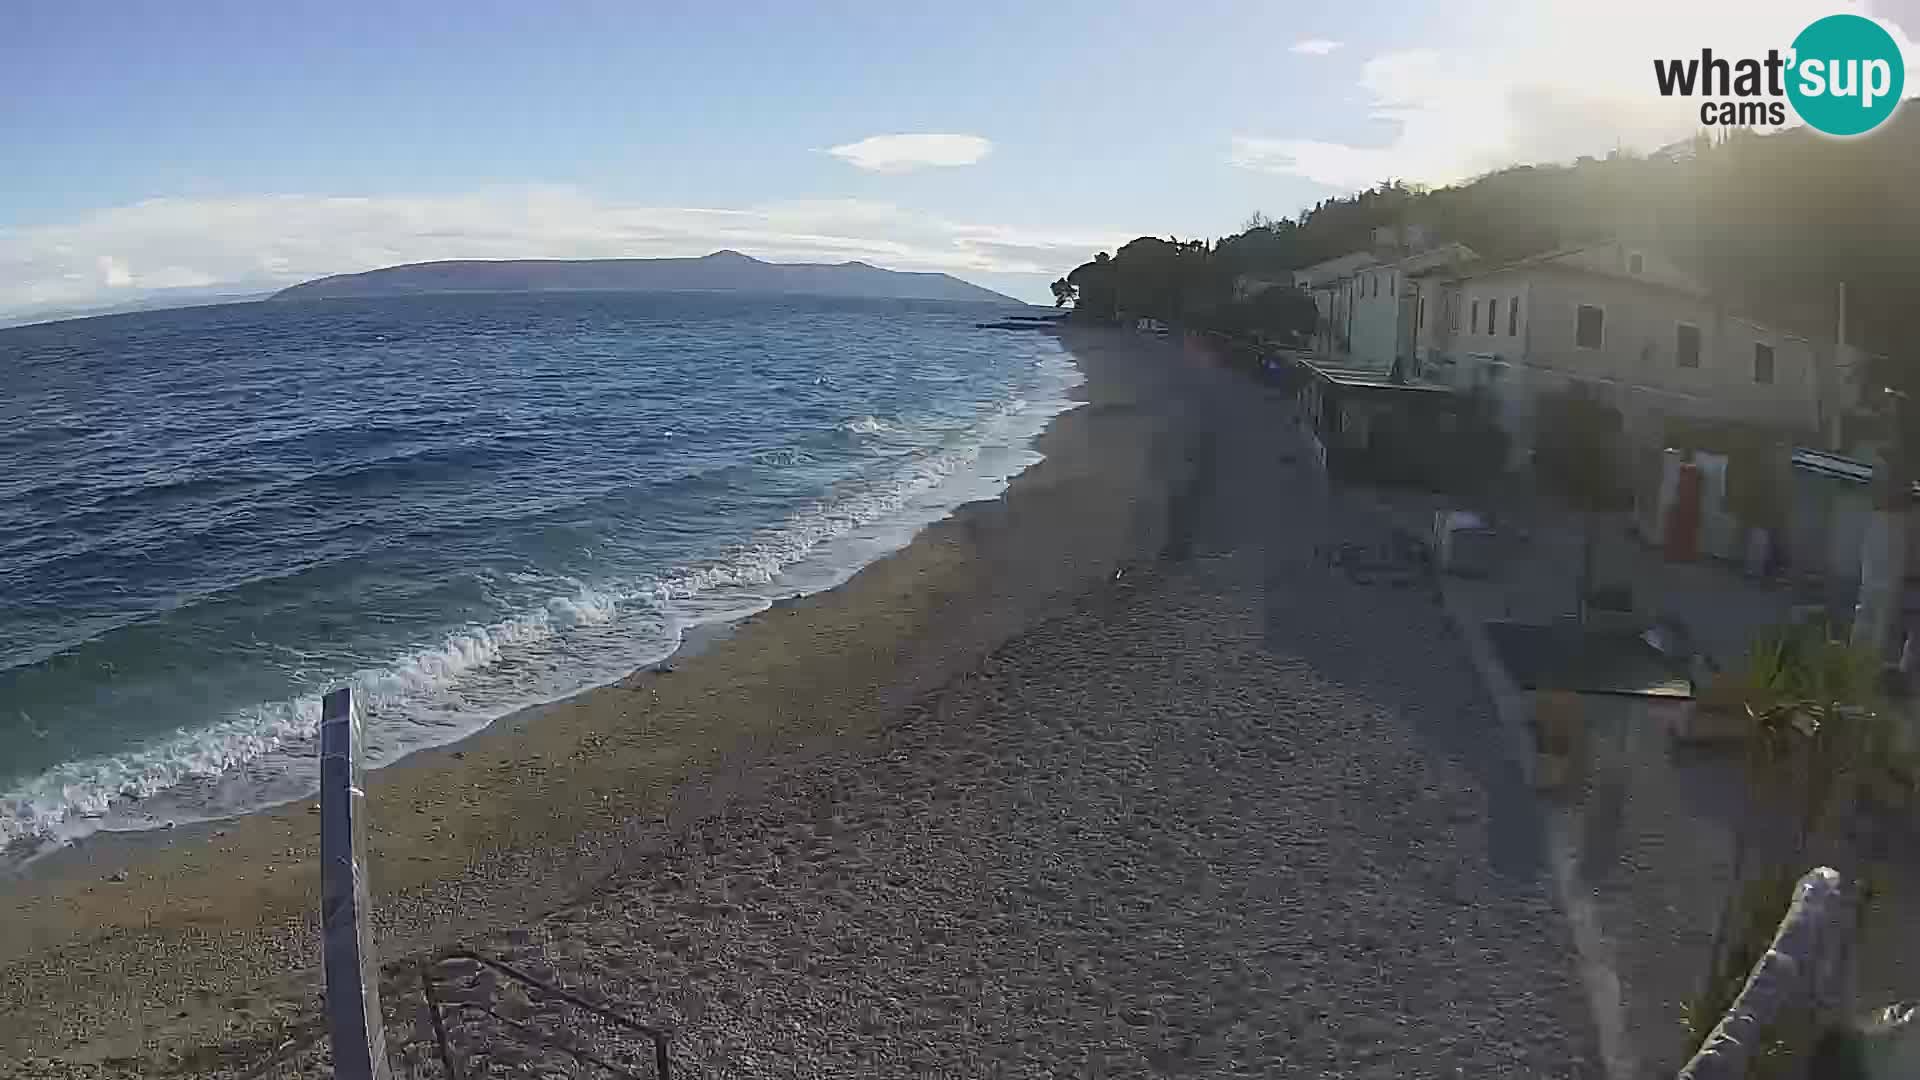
(126, 947)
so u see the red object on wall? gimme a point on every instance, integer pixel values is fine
(1682, 527)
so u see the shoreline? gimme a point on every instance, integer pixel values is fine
(211, 928)
(106, 849)
(994, 463)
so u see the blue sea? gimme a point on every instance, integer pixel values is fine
(459, 505)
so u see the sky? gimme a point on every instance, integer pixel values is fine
(247, 146)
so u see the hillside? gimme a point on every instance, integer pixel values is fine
(722, 271)
(1771, 222)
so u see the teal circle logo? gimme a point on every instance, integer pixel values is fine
(1847, 75)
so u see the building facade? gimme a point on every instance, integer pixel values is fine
(1326, 283)
(1622, 322)
(1383, 307)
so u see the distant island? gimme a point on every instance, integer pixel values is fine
(722, 271)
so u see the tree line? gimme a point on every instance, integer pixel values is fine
(1772, 223)
(1190, 283)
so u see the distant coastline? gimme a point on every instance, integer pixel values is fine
(160, 302)
(722, 271)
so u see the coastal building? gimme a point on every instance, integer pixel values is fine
(1326, 282)
(1621, 321)
(1383, 306)
(1363, 424)
(1363, 319)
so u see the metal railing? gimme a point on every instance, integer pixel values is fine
(351, 965)
(430, 987)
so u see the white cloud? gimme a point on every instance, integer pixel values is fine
(113, 272)
(1556, 81)
(905, 153)
(1314, 46)
(271, 240)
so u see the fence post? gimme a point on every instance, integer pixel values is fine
(1809, 963)
(347, 956)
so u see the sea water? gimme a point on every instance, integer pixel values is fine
(458, 505)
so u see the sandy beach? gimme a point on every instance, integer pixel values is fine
(1108, 776)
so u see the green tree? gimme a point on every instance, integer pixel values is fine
(1063, 292)
(1578, 456)
(1278, 312)
(1094, 289)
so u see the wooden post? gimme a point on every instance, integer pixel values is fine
(351, 966)
(1560, 735)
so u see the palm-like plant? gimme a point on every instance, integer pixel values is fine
(1817, 729)
(1817, 725)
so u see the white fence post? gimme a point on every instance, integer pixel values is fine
(1809, 963)
(351, 966)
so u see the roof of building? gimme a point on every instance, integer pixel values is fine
(1608, 258)
(1259, 283)
(1335, 268)
(1450, 256)
(1680, 150)
(1836, 466)
(1611, 259)
(1369, 378)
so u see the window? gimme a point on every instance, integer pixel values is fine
(1513, 317)
(1453, 311)
(1493, 316)
(1686, 345)
(1589, 326)
(1420, 312)
(1376, 284)
(1389, 284)
(1635, 262)
(1474, 322)
(1762, 362)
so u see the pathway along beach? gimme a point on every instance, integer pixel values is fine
(1111, 776)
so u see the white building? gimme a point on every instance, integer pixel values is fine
(1381, 307)
(1620, 320)
(1325, 282)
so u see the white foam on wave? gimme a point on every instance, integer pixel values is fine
(575, 640)
(70, 800)
(866, 425)
(75, 798)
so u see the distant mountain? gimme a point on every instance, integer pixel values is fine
(722, 271)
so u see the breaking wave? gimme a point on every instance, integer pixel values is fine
(580, 635)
